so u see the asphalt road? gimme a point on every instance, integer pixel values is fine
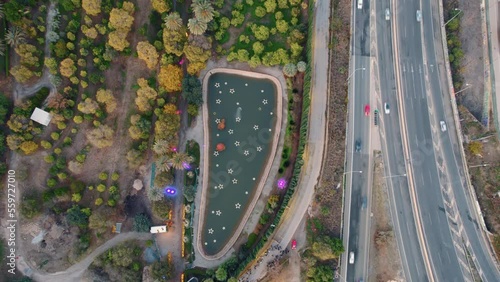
(392, 150)
(358, 174)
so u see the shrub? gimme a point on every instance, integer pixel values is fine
(77, 197)
(57, 151)
(51, 182)
(115, 176)
(101, 188)
(112, 203)
(54, 136)
(103, 176)
(98, 201)
(49, 159)
(142, 223)
(46, 144)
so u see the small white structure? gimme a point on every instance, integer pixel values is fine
(137, 184)
(158, 229)
(41, 116)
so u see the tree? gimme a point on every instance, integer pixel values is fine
(161, 6)
(134, 158)
(301, 66)
(88, 106)
(78, 216)
(28, 147)
(290, 70)
(260, 11)
(170, 78)
(90, 32)
(270, 6)
(258, 47)
(148, 54)
(142, 223)
(75, 167)
(197, 26)
(101, 136)
(173, 21)
(282, 26)
(100, 219)
(320, 273)
(237, 18)
(15, 36)
(161, 209)
(260, 32)
(161, 270)
(189, 193)
(476, 147)
(179, 159)
(161, 147)
(192, 91)
(21, 73)
(221, 274)
(118, 40)
(67, 67)
(174, 40)
(106, 97)
(203, 10)
(92, 7)
(121, 19)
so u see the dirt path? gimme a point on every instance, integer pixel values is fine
(385, 263)
(75, 272)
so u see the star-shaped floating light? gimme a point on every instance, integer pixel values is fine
(210, 231)
(253, 178)
(220, 92)
(216, 153)
(225, 83)
(246, 192)
(230, 131)
(218, 101)
(246, 153)
(237, 205)
(255, 127)
(281, 183)
(223, 227)
(259, 149)
(237, 103)
(221, 186)
(264, 102)
(215, 241)
(206, 243)
(246, 84)
(216, 165)
(269, 129)
(235, 181)
(262, 91)
(271, 113)
(237, 143)
(217, 85)
(238, 119)
(230, 171)
(215, 187)
(231, 90)
(213, 212)
(217, 120)
(218, 213)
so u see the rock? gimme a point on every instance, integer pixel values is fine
(138, 184)
(220, 147)
(221, 125)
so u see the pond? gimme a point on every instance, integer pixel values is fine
(242, 120)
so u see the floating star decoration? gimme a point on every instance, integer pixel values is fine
(218, 213)
(237, 143)
(220, 92)
(223, 227)
(235, 181)
(237, 103)
(262, 91)
(218, 101)
(271, 113)
(215, 240)
(217, 134)
(221, 186)
(237, 205)
(217, 84)
(216, 153)
(246, 192)
(216, 165)
(231, 90)
(238, 119)
(217, 120)
(206, 243)
(246, 84)
(230, 171)
(210, 231)
(225, 83)
(259, 149)
(253, 178)
(264, 102)
(215, 187)
(230, 131)
(213, 212)
(269, 129)
(255, 127)
(246, 153)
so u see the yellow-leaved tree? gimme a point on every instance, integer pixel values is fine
(28, 147)
(88, 106)
(106, 97)
(67, 67)
(144, 95)
(121, 20)
(170, 78)
(147, 52)
(160, 6)
(101, 136)
(92, 7)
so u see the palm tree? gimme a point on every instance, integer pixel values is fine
(1, 11)
(155, 194)
(163, 164)
(2, 48)
(179, 160)
(173, 21)
(196, 26)
(161, 147)
(203, 10)
(15, 36)
(290, 70)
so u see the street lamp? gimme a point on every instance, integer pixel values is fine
(358, 171)
(481, 165)
(468, 86)
(456, 9)
(349, 77)
(391, 176)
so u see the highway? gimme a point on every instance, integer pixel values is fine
(359, 168)
(390, 135)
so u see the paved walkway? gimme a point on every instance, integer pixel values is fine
(493, 28)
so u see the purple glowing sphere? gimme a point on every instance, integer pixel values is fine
(282, 183)
(186, 166)
(170, 191)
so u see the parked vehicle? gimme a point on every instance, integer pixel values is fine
(294, 244)
(443, 126)
(419, 16)
(387, 109)
(358, 146)
(387, 14)
(351, 258)
(360, 4)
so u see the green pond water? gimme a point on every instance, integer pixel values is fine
(248, 106)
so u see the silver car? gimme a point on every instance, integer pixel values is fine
(419, 16)
(387, 14)
(443, 126)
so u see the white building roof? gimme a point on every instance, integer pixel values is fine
(158, 229)
(41, 116)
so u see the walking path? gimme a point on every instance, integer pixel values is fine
(493, 27)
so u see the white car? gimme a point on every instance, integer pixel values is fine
(387, 110)
(443, 126)
(419, 16)
(360, 4)
(351, 257)
(387, 14)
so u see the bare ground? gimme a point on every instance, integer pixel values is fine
(384, 256)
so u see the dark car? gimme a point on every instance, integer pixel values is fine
(358, 146)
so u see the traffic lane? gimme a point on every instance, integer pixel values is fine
(426, 179)
(356, 245)
(362, 30)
